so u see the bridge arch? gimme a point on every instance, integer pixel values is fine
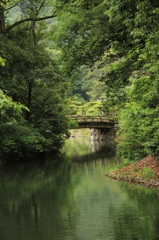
(101, 127)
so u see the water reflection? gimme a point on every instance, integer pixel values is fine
(89, 150)
(113, 210)
(70, 200)
(34, 201)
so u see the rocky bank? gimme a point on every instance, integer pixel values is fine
(145, 172)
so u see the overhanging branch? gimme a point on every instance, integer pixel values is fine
(27, 20)
(4, 10)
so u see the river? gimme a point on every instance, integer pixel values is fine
(70, 198)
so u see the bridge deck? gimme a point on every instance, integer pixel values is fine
(94, 121)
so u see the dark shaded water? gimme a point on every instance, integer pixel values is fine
(74, 200)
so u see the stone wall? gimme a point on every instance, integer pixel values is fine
(102, 134)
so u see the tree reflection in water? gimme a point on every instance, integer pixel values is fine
(63, 199)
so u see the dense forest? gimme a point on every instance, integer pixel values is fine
(34, 92)
(57, 57)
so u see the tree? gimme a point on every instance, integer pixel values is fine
(120, 38)
(81, 34)
(31, 77)
(30, 13)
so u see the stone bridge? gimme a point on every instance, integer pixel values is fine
(101, 127)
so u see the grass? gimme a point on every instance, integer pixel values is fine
(146, 173)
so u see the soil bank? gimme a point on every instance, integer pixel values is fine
(144, 172)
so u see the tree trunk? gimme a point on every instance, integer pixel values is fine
(2, 20)
(29, 99)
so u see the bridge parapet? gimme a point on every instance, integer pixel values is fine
(88, 119)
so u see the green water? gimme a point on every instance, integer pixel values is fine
(70, 198)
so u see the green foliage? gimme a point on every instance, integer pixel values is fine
(108, 50)
(73, 124)
(139, 124)
(9, 110)
(123, 54)
(30, 78)
(75, 104)
(2, 62)
(81, 33)
(93, 108)
(19, 141)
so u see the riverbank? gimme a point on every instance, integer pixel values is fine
(144, 172)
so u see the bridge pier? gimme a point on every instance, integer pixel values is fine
(102, 134)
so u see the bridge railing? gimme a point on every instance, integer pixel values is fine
(80, 118)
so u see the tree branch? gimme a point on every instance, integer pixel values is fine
(41, 5)
(10, 7)
(27, 20)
